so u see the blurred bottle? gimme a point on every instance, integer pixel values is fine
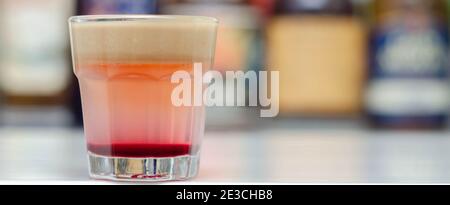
(239, 47)
(408, 85)
(99, 7)
(238, 30)
(34, 62)
(319, 47)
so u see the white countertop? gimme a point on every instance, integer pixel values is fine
(278, 154)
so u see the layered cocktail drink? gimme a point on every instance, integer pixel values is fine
(124, 66)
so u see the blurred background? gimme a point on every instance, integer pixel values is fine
(364, 89)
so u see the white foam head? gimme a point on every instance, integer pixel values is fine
(138, 39)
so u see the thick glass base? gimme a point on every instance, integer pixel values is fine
(143, 169)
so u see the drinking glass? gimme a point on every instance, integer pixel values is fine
(124, 65)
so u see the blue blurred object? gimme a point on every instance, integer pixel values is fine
(90, 7)
(409, 75)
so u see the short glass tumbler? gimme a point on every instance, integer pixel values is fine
(124, 65)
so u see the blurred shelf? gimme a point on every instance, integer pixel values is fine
(288, 153)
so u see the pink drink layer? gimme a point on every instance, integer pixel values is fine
(128, 111)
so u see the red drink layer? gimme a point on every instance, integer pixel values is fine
(140, 150)
(128, 111)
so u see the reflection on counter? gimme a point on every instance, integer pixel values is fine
(313, 156)
(339, 155)
(34, 153)
(414, 157)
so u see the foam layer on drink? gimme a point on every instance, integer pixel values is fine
(181, 39)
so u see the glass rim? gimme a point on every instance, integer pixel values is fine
(141, 18)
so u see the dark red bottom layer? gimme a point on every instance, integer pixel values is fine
(139, 150)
